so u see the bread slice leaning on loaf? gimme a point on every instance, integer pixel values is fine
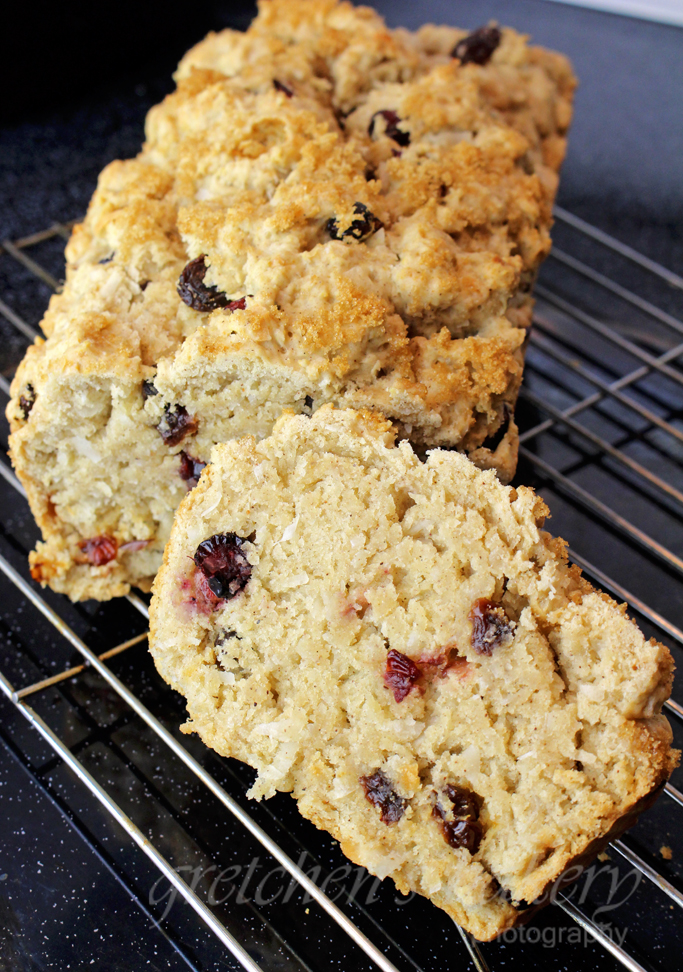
(399, 645)
(323, 211)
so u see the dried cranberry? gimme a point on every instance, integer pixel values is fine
(194, 293)
(238, 304)
(99, 550)
(190, 469)
(459, 667)
(360, 229)
(224, 564)
(460, 824)
(279, 86)
(148, 389)
(463, 833)
(391, 127)
(27, 401)
(203, 598)
(176, 424)
(478, 46)
(464, 801)
(380, 793)
(491, 626)
(401, 674)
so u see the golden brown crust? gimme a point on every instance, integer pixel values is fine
(379, 209)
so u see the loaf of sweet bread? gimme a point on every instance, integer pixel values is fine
(325, 210)
(401, 646)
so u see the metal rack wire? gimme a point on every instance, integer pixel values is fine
(601, 418)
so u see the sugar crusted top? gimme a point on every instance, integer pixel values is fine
(324, 211)
(353, 191)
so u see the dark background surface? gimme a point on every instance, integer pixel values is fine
(76, 90)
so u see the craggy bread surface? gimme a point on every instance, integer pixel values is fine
(368, 212)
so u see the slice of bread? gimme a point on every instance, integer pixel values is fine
(324, 211)
(401, 646)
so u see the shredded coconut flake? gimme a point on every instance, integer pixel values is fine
(209, 509)
(291, 529)
(85, 448)
(109, 288)
(289, 532)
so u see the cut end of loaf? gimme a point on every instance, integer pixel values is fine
(410, 655)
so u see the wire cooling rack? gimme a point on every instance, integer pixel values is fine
(224, 884)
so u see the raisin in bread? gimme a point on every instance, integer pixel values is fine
(324, 211)
(400, 646)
